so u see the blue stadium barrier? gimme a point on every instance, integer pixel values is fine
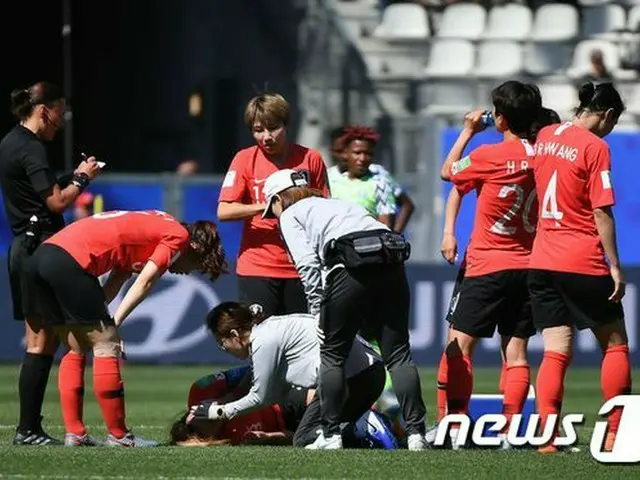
(168, 326)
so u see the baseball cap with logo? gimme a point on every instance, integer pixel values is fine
(279, 182)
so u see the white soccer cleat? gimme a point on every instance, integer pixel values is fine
(334, 442)
(456, 441)
(504, 443)
(86, 440)
(416, 442)
(130, 440)
(430, 436)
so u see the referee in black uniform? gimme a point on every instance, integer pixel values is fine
(34, 201)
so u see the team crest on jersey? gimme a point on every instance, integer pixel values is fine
(460, 165)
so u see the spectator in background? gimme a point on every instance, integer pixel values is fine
(188, 168)
(339, 175)
(266, 275)
(598, 72)
(83, 206)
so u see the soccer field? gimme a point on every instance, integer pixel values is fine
(157, 394)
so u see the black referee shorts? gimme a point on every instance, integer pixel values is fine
(64, 293)
(499, 299)
(18, 263)
(572, 299)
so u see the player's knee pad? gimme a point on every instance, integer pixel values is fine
(558, 339)
(107, 348)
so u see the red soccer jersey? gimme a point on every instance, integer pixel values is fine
(505, 218)
(123, 240)
(572, 173)
(262, 251)
(265, 419)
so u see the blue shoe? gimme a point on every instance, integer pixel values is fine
(374, 430)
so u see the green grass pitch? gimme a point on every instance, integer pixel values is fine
(156, 394)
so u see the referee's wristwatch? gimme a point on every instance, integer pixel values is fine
(80, 180)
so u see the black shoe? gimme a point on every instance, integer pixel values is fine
(36, 438)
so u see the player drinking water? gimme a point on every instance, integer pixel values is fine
(494, 291)
(69, 297)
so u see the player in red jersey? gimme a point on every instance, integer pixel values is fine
(68, 295)
(272, 424)
(571, 282)
(266, 275)
(494, 290)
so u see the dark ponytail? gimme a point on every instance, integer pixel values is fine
(545, 117)
(23, 101)
(599, 98)
(229, 316)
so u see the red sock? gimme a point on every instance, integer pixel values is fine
(71, 388)
(615, 379)
(109, 390)
(550, 385)
(459, 384)
(441, 393)
(503, 378)
(517, 381)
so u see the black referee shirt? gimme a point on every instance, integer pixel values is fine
(25, 174)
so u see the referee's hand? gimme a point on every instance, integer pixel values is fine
(89, 167)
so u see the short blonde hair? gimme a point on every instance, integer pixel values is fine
(269, 108)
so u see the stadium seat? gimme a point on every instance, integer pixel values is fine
(603, 21)
(546, 58)
(555, 22)
(443, 52)
(499, 59)
(562, 97)
(509, 22)
(581, 57)
(403, 21)
(462, 20)
(592, 3)
(633, 19)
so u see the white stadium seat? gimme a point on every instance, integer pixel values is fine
(451, 58)
(633, 20)
(555, 22)
(509, 22)
(581, 64)
(499, 59)
(403, 21)
(546, 58)
(561, 97)
(462, 20)
(603, 20)
(591, 3)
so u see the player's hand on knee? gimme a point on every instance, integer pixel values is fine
(207, 410)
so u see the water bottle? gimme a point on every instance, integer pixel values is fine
(487, 119)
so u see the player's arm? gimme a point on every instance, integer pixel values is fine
(234, 190)
(405, 211)
(449, 248)
(385, 201)
(114, 283)
(602, 199)
(138, 291)
(472, 125)
(304, 258)
(320, 177)
(265, 359)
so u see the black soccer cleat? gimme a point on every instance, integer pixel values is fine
(37, 437)
(41, 439)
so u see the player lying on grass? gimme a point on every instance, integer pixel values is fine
(268, 425)
(68, 295)
(285, 352)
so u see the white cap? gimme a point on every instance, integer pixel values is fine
(279, 182)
